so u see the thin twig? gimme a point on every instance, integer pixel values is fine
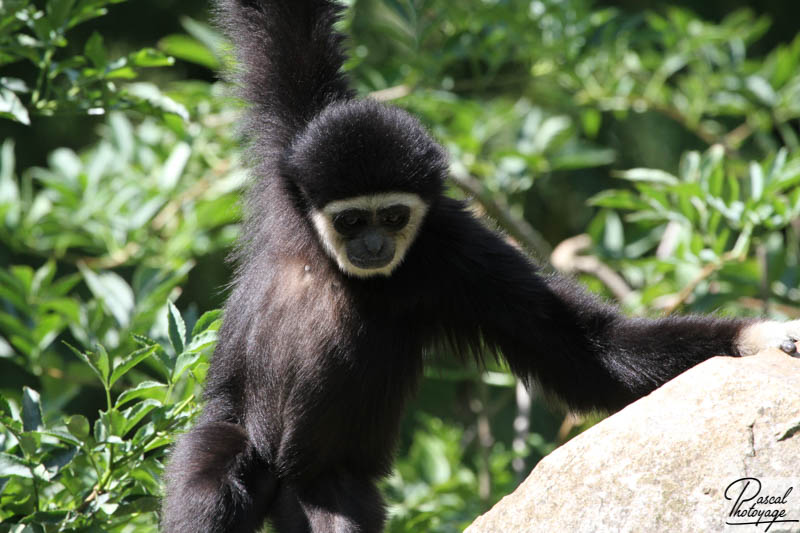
(566, 258)
(391, 93)
(567, 425)
(738, 135)
(704, 274)
(166, 213)
(757, 304)
(763, 262)
(498, 209)
(522, 426)
(478, 405)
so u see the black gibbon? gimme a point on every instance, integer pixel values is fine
(352, 261)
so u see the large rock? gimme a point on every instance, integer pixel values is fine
(664, 463)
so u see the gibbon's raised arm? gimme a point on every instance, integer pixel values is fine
(289, 62)
(553, 331)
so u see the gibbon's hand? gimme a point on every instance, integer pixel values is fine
(770, 334)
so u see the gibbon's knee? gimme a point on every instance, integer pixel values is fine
(215, 481)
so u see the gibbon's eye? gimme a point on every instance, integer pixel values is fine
(350, 220)
(394, 217)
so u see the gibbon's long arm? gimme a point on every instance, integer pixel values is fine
(289, 62)
(552, 331)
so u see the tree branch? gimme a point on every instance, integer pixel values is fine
(566, 258)
(498, 209)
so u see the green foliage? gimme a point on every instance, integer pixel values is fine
(62, 82)
(433, 486)
(63, 473)
(683, 229)
(149, 197)
(503, 142)
(686, 142)
(203, 45)
(93, 248)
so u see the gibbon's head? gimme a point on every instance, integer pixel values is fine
(368, 173)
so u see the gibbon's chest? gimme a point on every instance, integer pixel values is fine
(310, 298)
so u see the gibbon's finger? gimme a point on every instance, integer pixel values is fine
(789, 346)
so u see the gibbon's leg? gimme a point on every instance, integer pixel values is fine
(215, 482)
(336, 504)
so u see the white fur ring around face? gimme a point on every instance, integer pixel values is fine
(770, 334)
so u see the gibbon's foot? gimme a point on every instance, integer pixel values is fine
(770, 334)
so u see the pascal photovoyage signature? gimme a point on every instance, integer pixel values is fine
(752, 508)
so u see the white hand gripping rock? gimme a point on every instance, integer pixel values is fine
(770, 334)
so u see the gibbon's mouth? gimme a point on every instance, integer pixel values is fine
(369, 263)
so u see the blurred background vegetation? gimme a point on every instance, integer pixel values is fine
(653, 145)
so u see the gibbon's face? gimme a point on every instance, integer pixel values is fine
(369, 235)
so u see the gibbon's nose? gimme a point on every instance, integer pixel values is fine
(373, 242)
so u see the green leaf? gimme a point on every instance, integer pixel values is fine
(78, 425)
(31, 410)
(211, 38)
(66, 307)
(143, 504)
(202, 341)
(762, 90)
(30, 442)
(591, 119)
(649, 175)
(95, 362)
(583, 158)
(153, 95)
(101, 429)
(14, 84)
(174, 166)
(55, 463)
(209, 320)
(113, 291)
(90, 9)
(11, 465)
(756, 181)
(177, 329)
(130, 361)
(9, 191)
(123, 72)
(189, 49)
(58, 11)
(5, 408)
(435, 468)
(618, 199)
(24, 274)
(96, 51)
(134, 414)
(64, 285)
(11, 107)
(150, 57)
(185, 360)
(47, 329)
(43, 517)
(145, 389)
(43, 276)
(103, 362)
(613, 235)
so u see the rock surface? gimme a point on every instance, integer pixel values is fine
(664, 463)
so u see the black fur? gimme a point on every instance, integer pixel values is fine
(308, 383)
